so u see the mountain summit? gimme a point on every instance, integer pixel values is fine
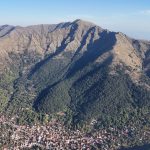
(76, 68)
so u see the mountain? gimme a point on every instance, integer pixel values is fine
(76, 69)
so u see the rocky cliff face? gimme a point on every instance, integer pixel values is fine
(52, 68)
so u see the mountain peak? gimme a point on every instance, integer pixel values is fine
(76, 68)
(83, 22)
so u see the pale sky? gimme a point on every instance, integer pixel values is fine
(131, 17)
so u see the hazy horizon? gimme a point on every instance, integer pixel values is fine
(129, 17)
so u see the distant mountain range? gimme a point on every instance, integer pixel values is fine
(76, 70)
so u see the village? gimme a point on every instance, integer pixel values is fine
(54, 136)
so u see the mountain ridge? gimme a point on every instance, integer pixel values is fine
(77, 68)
